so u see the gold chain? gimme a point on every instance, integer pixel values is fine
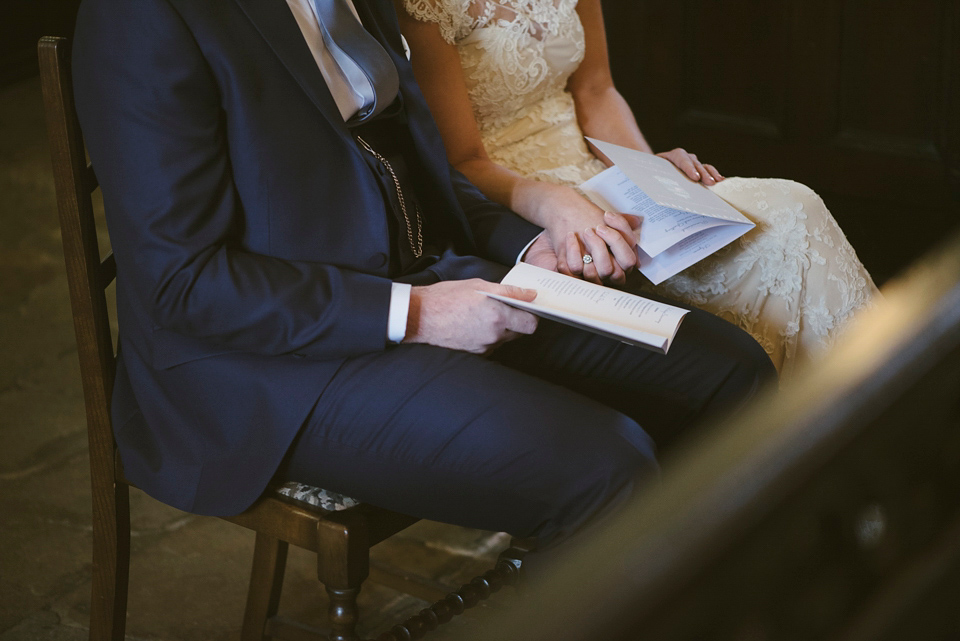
(417, 247)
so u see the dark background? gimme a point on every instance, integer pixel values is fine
(22, 23)
(860, 99)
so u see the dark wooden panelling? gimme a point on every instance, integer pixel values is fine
(860, 99)
(725, 82)
(852, 95)
(950, 117)
(890, 97)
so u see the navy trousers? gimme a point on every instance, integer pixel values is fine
(535, 439)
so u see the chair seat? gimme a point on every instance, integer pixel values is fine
(316, 497)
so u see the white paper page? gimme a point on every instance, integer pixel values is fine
(666, 184)
(624, 334)
(564, 294)
(688, 251)
(662, 226)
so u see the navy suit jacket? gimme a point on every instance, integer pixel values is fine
(250, 233)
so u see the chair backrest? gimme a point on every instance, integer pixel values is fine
(87, 275)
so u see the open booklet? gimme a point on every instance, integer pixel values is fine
(603, 310)
(683, 221)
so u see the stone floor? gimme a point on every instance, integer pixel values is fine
(188, 574)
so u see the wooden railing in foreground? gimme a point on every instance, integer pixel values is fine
(831, 512)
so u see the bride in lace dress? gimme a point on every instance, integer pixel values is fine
(515, 84)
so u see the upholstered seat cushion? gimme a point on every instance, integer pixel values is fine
(324, 499)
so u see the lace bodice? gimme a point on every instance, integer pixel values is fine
(517, 56)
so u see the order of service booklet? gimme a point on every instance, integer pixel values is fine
(682, 221)
(603, 310)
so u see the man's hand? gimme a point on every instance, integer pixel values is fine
(456, 315)
(541, 253)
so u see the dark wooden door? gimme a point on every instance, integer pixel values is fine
(860, 99)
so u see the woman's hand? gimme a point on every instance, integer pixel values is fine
(693, 168)
(577, 228)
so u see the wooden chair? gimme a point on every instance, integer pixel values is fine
(341, 538)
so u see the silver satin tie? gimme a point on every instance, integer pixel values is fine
(365, 65)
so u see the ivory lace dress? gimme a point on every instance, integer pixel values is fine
(791, 282)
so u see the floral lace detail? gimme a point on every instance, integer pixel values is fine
(514, 53)
(792, 282)
(556, 152)
(450, 15)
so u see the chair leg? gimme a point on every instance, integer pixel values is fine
(343, 563)
(266, 582)
(111, 562)
(344, 614)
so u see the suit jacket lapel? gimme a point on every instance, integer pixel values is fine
(279, 28)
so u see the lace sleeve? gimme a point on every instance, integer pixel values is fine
(450, 15)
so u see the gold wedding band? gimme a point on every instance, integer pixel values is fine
(587, 259)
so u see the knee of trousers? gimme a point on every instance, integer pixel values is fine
(740, 366)
(597, 480)
(753, 371)
(758, 364)
(734, 345)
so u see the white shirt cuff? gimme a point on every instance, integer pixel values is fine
(526, 247)
(399, 309)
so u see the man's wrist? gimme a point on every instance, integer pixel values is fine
(526, 248)
(413, 317)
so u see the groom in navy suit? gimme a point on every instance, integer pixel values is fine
(299, 276)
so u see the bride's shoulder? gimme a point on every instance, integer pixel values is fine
(455, 18)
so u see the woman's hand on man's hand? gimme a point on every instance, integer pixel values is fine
(577, 228)
(610, 245)
(692, 167)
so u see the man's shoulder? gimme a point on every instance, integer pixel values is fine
(125, 11)
(167, 24)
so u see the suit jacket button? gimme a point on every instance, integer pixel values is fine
(377, 261)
